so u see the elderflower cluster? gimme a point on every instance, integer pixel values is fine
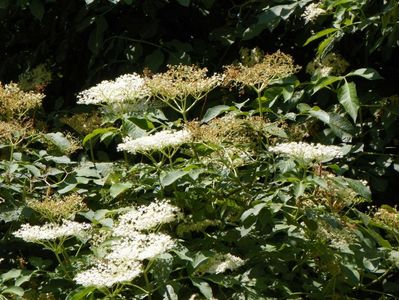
(139, 246)
(157, 141)
(312, 12)
(258, 76)
(126, 88)
(331, 64)
(108, 272)
(15, 103)
(146, 217)
(51, 231)
(127, 245)
(387, 216)
(57, 208)
(181, 81)
(308, 152)
(220, 263)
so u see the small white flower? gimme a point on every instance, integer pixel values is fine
(312, 11)
(157, 141)
(308, 152)
(108, 273)
(126, 88)
(51, 231)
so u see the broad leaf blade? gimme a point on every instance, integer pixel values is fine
(347, 96)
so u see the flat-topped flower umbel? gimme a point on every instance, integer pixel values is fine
(126, 89)
(308, 152)
(156, 141)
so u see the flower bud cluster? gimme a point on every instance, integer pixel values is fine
(15, 103)
(181, 81)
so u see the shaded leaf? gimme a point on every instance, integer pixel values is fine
(37, 9)
(320, 34)
(204, 287)
(367, 73)
(154, 60)
(167, 178)
(214, 112)
(118, 188)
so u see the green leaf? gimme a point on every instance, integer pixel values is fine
(225, 35)
(203, 286)
(132, 129)
(154, 60)
(68, 188)
(325, 45)
(35, 171)
(59, 140)
(214, 112)
(347, 96)
(118, 188)
(326, 81)
(352, 275)
(12, 274)
(341, 126)
(200, 258)
(185, 3)
(167, 178)
(97, 133)
(170, 293)
(37, 9)
(320, 34)
(14, 290)
(22, 280)
(379, 239)
(359, 188)
(367, 73)
(162, 267)
(320, 114)
(81, 293)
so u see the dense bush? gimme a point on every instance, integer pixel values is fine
(210, 163)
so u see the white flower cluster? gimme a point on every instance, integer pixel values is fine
(121, 255)
(126, 88)
(146, 217)
(308, 152)
(221, 263)
(156, 141)
(312, 11)
(139, 246)
(108, 273)
(51, 231)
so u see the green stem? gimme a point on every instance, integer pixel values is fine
(91, 151)
(147, 284)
